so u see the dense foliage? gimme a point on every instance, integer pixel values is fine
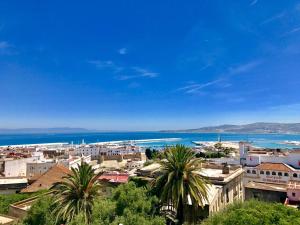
(128, 205)
(41, 212)
(255, 213)
(6, 200)
(210, 155)
(180, 185)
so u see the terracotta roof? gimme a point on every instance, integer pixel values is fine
(46, 181)
(115, 178)
(275, 166)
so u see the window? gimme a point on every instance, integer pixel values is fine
(253, 172)
(294, 175)
(262, 172)
(268, 173)
(286, 174)
(273, 173)
(248, 171)
(279, 174)
(294, 194)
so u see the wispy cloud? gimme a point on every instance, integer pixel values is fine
(139, 73)
(121, 72)
(4, 45)
(253, 2)
(232, 71)
(106, 64)
(196, 87)
(243, 68)
(273, 18)
(294, 30)
(145, 72)
(7, 48)
(122, 51)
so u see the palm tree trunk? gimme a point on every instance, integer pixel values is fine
(180, 215)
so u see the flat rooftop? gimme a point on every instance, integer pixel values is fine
(266, 186)
(6, 219)
(12, 181)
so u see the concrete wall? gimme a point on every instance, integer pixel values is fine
(38, 168)
(269, 196)
(16, 168)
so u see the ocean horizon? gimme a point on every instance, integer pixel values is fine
(259, 140)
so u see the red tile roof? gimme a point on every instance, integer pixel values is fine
(115, 177)
(46, 181)
(275, 166)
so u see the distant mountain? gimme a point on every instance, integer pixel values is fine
(56, 130)
(258, 128)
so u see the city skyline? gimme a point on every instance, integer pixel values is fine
(147, 66)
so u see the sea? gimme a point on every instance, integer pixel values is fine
(167, 139)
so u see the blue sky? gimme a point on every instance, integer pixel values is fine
(148, 65)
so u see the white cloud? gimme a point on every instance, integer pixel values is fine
(122, 51)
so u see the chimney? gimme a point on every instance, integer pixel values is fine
(225, 169)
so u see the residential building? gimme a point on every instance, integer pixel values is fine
(226, 184)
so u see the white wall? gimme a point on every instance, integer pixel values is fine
(16, 168)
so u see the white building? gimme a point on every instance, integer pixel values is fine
(106, 149)
(75, 161)
(250, 156)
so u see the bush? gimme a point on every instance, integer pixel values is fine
(6, 200)
(255, 213)
(41, 213)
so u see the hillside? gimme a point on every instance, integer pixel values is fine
(264, 128)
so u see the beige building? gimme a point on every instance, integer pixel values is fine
(225, 188)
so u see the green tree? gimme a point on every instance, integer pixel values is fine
(218, 146)
(129, 205)
(41, 213)
(255, 213)
(76, 194)
(180, 184)
(6, 200)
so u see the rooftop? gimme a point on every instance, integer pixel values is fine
(266, 186)
(115, 177)
(4, 219)
(12, 181)
(275, 166)
(48, 179)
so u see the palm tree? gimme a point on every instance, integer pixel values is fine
(179, 184)
(76, 194)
